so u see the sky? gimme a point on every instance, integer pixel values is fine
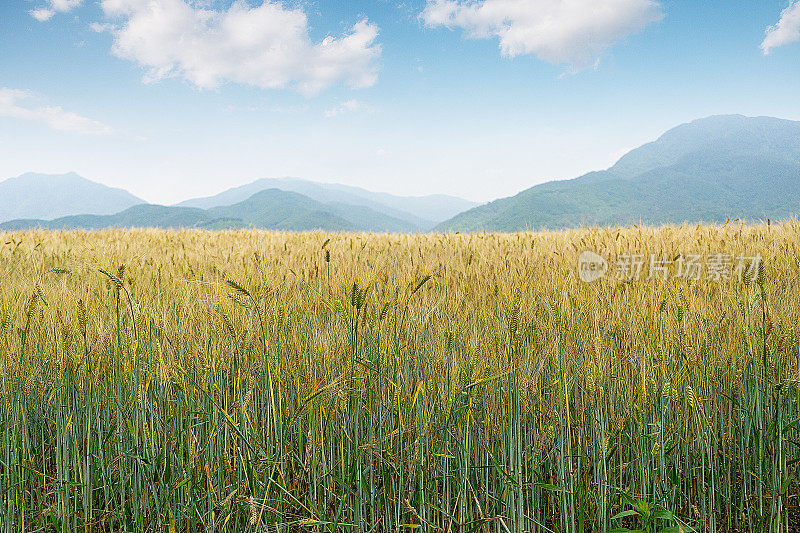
(173, 99)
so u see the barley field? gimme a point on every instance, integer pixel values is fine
(194, 381)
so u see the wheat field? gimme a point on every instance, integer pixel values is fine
(260, 381)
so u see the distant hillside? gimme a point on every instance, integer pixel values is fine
(709, 170)
(47, 196)
(270, 209)
(277, 209)
(421, 211)
(146, 215)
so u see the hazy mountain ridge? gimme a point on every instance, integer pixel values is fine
(48, 196)
(709, 170)
(268, 209)
(421, 211)
(325, 206)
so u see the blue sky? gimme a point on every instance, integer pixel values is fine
(172, 99)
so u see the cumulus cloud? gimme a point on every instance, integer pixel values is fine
(267, 46)
(786, 31)
(573, 32)
(350, 106)
(54, 6)
(18, 104)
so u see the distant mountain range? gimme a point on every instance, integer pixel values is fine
(272, 208)
(326, 207)
(421, 211)
(709, 170)
(712, 169)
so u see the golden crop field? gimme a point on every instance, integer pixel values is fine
(258, 381)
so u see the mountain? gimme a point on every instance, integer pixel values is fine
(56, 195)
(268, 209)
(421, 211)
(709, 170)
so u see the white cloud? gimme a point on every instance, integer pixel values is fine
(101, 27)
(54, 6)
(786, 31)
(13, 104)
(42, 14)
(350, 106)
(574, 32)
(268, 46)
